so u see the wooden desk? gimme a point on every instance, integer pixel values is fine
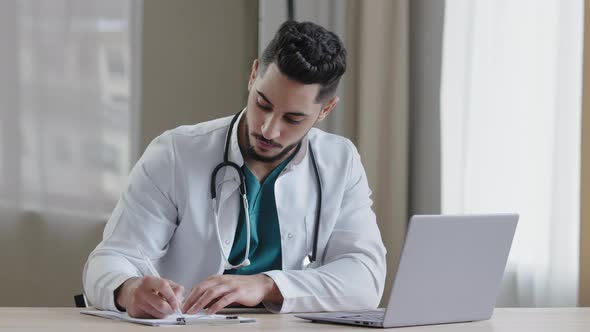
(510, 320)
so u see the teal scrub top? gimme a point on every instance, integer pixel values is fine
(265, 237)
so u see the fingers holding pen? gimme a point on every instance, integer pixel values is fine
(165, 290)
(155, 305)
(172, 293)
(178, 291)
(153, 297)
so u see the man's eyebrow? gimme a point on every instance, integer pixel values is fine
(289, 113)
(296, 113)
(264, 97)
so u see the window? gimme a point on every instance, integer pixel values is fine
(65, 116)
(510, 126)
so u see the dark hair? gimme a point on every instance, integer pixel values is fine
(307, 53)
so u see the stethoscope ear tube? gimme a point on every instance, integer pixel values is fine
(314, 251)
(236, 168)
(226, 162)
(213, 177)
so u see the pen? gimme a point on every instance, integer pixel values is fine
(155, 273)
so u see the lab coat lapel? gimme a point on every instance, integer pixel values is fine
(231, 178)
(296, 195)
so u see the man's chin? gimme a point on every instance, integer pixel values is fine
(268, 153)
(264, 156)
(271, 155)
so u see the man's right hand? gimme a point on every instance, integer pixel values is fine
(149, 297)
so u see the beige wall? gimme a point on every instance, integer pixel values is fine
(196, 60)
(585, 176)
(43, 255)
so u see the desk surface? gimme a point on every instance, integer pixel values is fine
(504, 319)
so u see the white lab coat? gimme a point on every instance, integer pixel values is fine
(166, 208)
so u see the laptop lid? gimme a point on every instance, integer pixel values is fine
(450, 269)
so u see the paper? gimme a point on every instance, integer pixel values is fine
(172, 319)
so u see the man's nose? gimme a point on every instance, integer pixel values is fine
(271, 128)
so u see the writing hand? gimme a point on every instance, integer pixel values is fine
(149, 297)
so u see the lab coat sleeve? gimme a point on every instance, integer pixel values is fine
(352, 276)
(145, 215)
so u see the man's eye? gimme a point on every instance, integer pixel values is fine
(266, 108)
(292, 121)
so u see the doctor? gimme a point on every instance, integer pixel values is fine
(253, 208)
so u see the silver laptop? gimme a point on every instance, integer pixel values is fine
(449, 271)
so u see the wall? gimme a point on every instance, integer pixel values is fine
(43, 254)
(197, 56)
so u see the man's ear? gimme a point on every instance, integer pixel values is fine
(253, 74)
(328, 107)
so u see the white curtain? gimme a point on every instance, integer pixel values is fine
(65, 116)
(510, 127)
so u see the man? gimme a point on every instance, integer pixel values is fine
(167, 210)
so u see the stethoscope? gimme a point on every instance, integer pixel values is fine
(242, 188)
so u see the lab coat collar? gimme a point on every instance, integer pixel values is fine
(301, 154)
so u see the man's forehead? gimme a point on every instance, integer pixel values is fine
(278, 88)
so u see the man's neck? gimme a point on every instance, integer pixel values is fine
(262, 169)
(259, 169)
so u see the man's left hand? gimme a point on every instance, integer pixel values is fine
(219, 291)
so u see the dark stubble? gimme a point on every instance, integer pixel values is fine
(251, 152)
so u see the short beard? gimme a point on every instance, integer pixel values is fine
(251, 152)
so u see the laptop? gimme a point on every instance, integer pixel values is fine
(449, 271)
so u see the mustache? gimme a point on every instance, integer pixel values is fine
(271, 142)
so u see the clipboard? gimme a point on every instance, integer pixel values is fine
(198, 319)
